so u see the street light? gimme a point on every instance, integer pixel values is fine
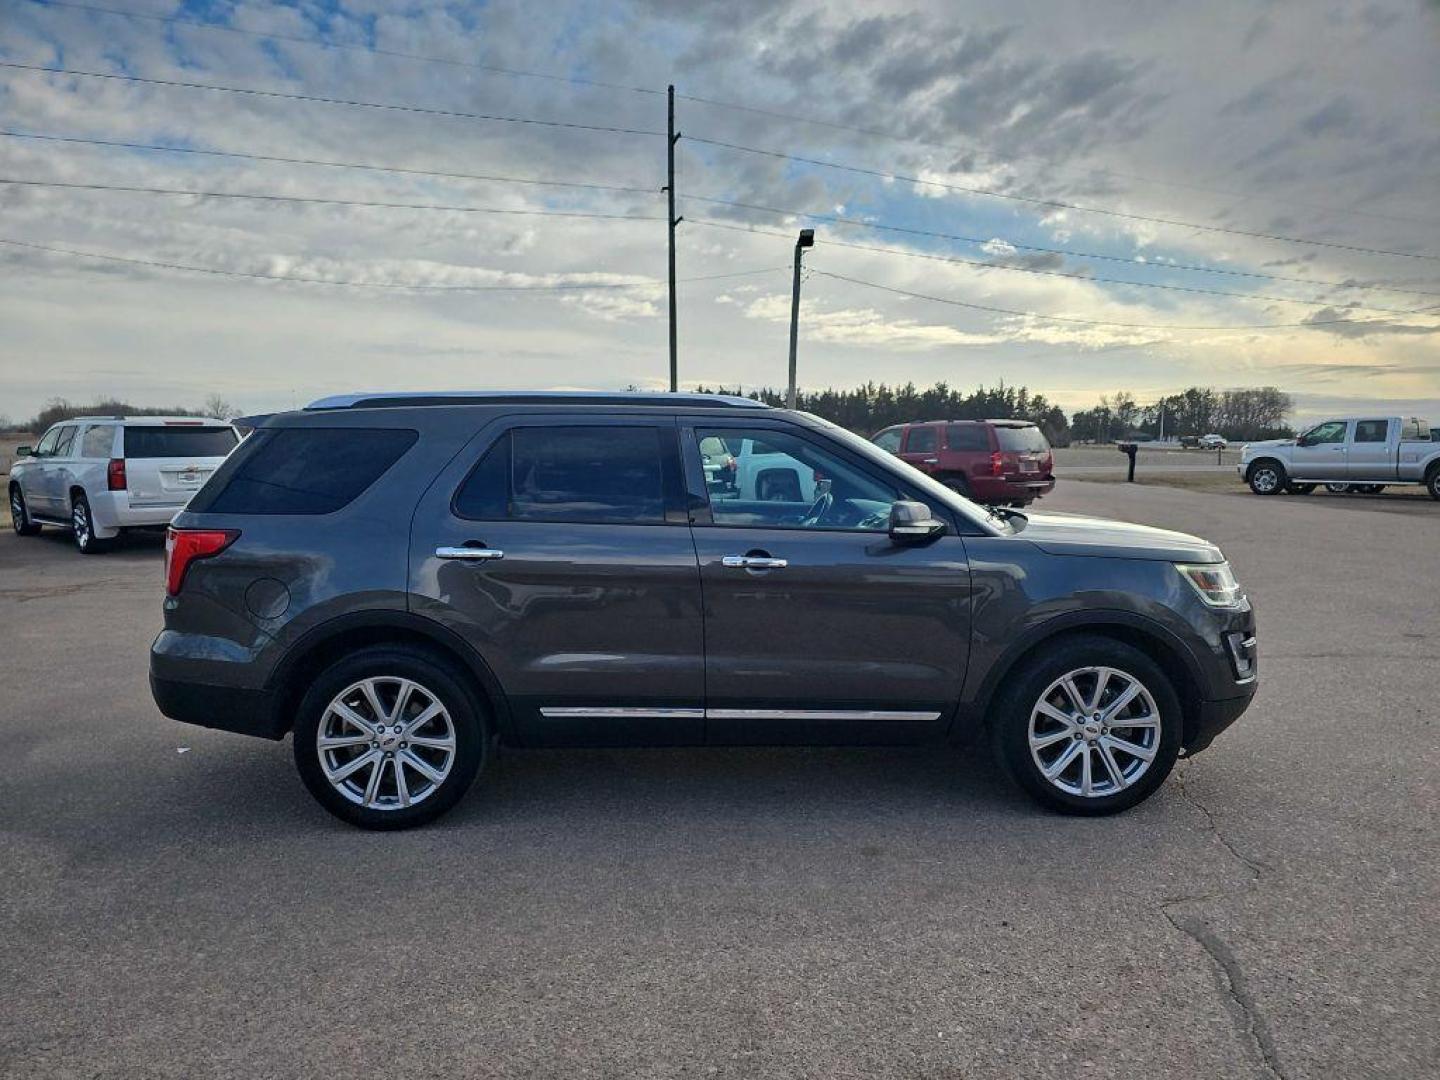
(806, 239)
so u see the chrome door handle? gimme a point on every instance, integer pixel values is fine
(930, 461)
(753, 562)
(478, 554)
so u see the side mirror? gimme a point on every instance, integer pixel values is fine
(24, 451)
(912, 522)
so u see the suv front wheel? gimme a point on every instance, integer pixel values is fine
(1267, 478)
(389, 738)
(1089, 727)
(19, 516)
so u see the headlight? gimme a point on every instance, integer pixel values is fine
(1213, 581)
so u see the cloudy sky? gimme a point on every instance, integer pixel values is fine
(1020, 179)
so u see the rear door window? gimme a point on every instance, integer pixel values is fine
(1371, 431)
(302, 470)
(968, 437)
(174, 441)
(1022, 440)
(605, 475)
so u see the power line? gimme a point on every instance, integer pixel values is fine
(351, 284)
(268, 197)
(984, 265)
(329, 164)
(1076, 319)
(200, 24)
(493, 69)
(1127, 260)
(284, 96)
(1061, 205)
(893, 137)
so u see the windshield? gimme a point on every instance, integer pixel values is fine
(971, 512)
(1021, 439)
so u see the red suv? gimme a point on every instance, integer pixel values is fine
(990, 461)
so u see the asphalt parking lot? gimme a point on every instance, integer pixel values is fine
(175, 905)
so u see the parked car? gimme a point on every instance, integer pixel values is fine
(1213, 442)
(1363, 453)
(997, 462)
(99, 475)
(403, 582)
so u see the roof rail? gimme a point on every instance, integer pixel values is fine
(380, 400)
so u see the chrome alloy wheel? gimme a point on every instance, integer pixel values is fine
(1265, 479)
(80, 522)
(17, 509)
(1094, 732)
(386, 743)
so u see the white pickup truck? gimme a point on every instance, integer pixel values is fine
(1363, 453)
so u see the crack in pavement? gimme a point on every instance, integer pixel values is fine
(1240, 1002)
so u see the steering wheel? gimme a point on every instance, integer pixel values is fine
(819, 508)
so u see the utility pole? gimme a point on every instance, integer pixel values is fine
(672, 137)
(804, 240)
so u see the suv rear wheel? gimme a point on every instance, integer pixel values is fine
(389, 738)
(1090, 727)
(959, 485)
(20, 517)
(82, 523)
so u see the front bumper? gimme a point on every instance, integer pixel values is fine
(1210, 718)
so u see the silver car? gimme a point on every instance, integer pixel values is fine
(97, 475)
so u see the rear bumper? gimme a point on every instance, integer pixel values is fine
(116, 510)
(225, 708)
(1011, 489)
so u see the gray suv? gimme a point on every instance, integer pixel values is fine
(405, 582)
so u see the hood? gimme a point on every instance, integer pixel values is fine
(1260, 444)
(1071, 534)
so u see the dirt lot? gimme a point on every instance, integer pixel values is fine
(176, 906)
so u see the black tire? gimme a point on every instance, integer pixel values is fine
(1267, 478)
(959, 485)
(1374, 489)
(1299, 489)
(1025, 687)
(82, 525)
(1432, 483)
(20, 514)
(437, 680)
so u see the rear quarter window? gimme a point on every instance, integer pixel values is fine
(968, 437)
(159, 441)
(1022, 439)
(302, 470)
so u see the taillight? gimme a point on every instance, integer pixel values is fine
(997, 464)
(115, 474)
(184, 546)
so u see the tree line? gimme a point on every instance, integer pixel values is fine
(58, 409)
(869, 408)
(1257, 413)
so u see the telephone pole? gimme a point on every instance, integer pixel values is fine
(672, 137)
(804, 240)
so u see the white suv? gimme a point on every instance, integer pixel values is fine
(96, 475)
